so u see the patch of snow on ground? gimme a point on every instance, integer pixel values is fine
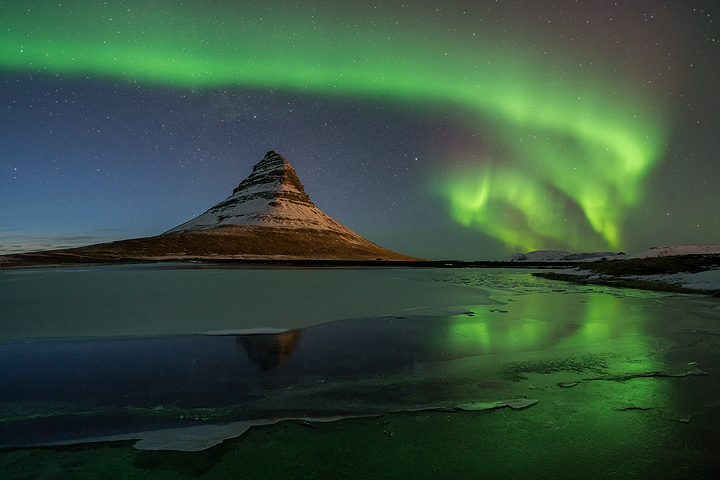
(708, 280)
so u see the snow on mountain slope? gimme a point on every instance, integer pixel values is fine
(272, 196)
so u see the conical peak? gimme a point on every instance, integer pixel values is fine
(270, 214)
(273, 163)
(275, 173)
(271, 196)
(271, 160)
(272, 154)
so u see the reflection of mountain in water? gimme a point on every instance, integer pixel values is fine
(269, 351)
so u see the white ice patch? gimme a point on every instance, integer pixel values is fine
(708, 280)
(201, 437)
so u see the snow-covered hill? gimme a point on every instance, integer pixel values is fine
(675, 250)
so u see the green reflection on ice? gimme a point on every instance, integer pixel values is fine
(547, 321)
(547, 337)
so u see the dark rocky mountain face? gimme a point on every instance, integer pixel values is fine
(273, 171)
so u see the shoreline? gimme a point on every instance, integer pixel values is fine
(692, 274)
(56, 260)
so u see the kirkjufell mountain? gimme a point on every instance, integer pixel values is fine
(272, 196)
(268, 216)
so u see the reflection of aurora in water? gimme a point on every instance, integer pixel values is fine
(570, 151)
(567, 326)
(548, 321)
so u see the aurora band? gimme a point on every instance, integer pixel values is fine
(573, 152)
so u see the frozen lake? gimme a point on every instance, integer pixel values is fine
(352, 373)
(175, 300)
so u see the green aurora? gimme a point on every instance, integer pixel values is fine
(570, 150)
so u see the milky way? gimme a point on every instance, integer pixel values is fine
(567, 147)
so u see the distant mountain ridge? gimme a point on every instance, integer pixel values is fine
(562, 256)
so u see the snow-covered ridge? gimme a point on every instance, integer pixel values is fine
(271, 196)
(561, 256)
(674, 250)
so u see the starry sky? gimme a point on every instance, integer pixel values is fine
(445, 130)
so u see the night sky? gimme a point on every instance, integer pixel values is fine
(444, 130)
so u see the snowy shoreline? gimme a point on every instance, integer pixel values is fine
(700, 282)
(677, 268)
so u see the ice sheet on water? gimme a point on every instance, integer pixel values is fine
(142, 301)
(248, 331)
(201, 437)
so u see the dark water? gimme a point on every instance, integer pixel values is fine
(89, 387)
(211, 371)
